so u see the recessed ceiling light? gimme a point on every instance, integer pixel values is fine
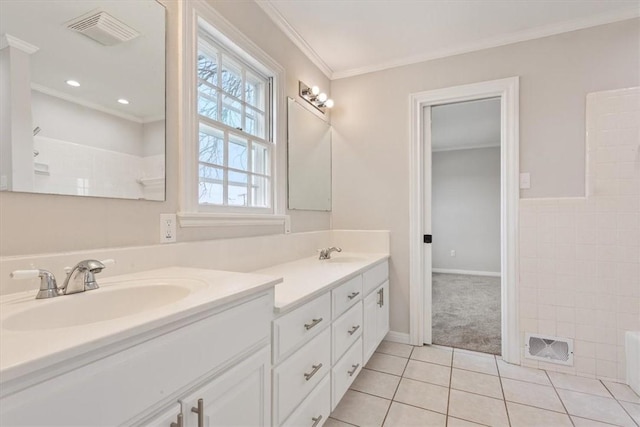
(73, 83)
(123, 101)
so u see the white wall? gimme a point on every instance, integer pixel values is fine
(465, 213)
(371, 126)
(88, 223)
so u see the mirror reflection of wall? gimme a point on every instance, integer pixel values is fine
(83, 111)
(309, 159)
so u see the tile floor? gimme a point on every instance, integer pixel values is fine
(425, 386)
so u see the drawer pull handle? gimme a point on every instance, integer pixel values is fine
(308, 326)
(180, 422)
(381, 295)
(354, 329)
(316, 368)
(353, 295)
(200, 411)
(353, 371)
(316, 420)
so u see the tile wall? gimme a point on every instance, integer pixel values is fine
(580, 258)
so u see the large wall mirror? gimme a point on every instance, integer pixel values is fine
(309, 154)
(83, 97)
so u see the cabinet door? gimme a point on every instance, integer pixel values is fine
(166, 417)
(382, 312)
(239, 397)
(369, 325)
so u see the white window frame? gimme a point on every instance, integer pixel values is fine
(196, 15)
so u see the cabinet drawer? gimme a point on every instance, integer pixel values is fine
(346, 330)
(346, 295)
(344, 372)
(299, 326)
(299, 374)
(315, 409)
(375, 276)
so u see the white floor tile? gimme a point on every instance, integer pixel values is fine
(424, 395)
(580, 384)
(386, 363)
(457, 422)
(470, 362)
(428, 372)
(376, 383)
(361, 409)
(633, 409)
(395, 349)
(432, 354)
(596, 408)
(538, 395)
(480, 409)
(401, 415)
(521, 373)
(475, 382)
(583, 422)
(527, 416)
(332, 422)
(622, 392)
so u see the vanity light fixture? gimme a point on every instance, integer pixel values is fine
(73, 83)
(123, 101)
(313, 96)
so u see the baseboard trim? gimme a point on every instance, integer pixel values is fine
(399, 337)
(469, 272)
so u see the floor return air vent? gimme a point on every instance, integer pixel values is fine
(549, 349)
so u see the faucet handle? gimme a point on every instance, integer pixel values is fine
(48, 284)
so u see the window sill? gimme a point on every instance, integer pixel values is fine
(200, 219)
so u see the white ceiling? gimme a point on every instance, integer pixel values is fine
(463, 125)
(133, 70)
(350, 37)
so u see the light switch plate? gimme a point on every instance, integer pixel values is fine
(525, 181)
(167, 228)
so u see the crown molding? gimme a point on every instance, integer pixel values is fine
(516, 37)
(295, 37)
(9, 40)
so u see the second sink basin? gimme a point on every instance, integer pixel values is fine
(106, 303)
(343, 259)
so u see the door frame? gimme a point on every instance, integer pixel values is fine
(420, 301)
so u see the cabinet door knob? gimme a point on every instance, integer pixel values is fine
(179, 423)
(353, 295)
(354, 329)
(313, 323)
(316, 368)
(316, 420)
(353, 371)
(200, 411)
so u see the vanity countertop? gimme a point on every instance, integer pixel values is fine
(33, 349)
(307, 278)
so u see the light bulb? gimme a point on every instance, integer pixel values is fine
(315, 90)
(73, 83)
(329, 103)
(123, 101)
(322, 97)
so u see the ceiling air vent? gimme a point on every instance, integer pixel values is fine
(549, 349)
(103, 28)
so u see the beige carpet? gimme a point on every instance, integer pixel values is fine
(466, 312)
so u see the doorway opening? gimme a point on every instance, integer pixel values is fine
(465, 222)
(420, 257)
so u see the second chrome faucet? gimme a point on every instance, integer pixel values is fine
(326, 253)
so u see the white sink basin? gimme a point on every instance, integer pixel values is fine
(344, 259)
(106, 303)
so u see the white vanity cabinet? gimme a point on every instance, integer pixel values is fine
(220, 355)
(376, 308)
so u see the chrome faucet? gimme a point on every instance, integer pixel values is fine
(82, 277)
(326, 253)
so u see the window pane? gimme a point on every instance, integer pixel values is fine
(254, 123)
(238, 153)
(260, 192)
(261, 160)
(231, 77)
(207, 101)
(211, 185)
(211, 146)
(237, 189)
(254, 91)
(231, 113)
(207, 67)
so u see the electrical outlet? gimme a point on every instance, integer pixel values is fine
(453, 252)
(167, 228)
